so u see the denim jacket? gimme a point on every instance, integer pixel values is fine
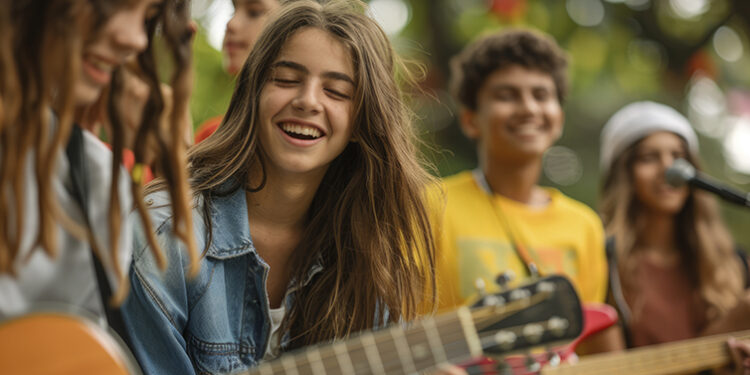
(216, 322)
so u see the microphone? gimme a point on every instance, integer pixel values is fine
(682, 172)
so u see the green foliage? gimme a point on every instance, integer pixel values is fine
(213, 86)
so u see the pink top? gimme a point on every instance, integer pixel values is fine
(664, 305)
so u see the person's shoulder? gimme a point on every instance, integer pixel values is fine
(459, 182)
(566, 203)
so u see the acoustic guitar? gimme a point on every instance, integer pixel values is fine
(61, 343)
(546, 312)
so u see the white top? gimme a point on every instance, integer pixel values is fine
(69, 279)
(272, 347)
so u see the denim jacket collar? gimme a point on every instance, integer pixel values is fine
(230, 229)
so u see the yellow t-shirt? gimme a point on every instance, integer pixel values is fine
(565, 237)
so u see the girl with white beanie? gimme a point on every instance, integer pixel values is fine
(674, 270)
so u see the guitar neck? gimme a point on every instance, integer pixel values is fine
(670, 358)
(425, 344)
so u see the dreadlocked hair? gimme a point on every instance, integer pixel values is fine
(41, 31)
(36, 32)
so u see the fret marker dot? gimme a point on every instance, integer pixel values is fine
(419, 351)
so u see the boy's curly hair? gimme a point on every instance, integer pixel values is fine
(527, 48)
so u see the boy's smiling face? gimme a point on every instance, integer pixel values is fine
(518, 115)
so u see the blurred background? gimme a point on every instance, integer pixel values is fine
(691, 54)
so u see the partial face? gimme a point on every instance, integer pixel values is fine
(653, 155)
(243, 30)
(518, 116)
(122, 36)
(306, 106)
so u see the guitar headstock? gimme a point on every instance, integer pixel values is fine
(541, 313)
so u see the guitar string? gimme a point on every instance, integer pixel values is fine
(684, 355)
(656, 358)
(327, 352)
(488, 317)
(331, 361)
(455, 337)
(455, 343)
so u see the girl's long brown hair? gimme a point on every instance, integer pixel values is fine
(707, 248)
(47, 39)
(368, 222)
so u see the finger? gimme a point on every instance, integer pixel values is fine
(737, 360)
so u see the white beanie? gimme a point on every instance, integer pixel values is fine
(637, 120)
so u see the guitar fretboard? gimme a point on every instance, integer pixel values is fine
(446, 338)
(669, 358)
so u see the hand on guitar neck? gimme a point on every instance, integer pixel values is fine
(736, 319)
(740, 351)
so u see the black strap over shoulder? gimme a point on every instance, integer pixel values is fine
(615, 295)
(745, 267)
(77, 159)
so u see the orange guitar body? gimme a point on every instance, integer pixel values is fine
(57, 343)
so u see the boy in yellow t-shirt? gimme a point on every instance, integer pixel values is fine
(511, 87)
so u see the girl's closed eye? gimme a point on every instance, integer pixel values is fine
(285, 79)
(338, 93)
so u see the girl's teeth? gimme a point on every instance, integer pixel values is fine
(303, 130)
(100, 65)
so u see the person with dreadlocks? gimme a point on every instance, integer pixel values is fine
(63, 194)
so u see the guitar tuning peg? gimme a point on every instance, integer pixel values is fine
(545, 287)
(503, 368)
(480, 286)
(532, 365)
(553, 358)
(533, 332)
(557, 325)
(533, 271)
(506, 340)
(504, 278)
(520, 294)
